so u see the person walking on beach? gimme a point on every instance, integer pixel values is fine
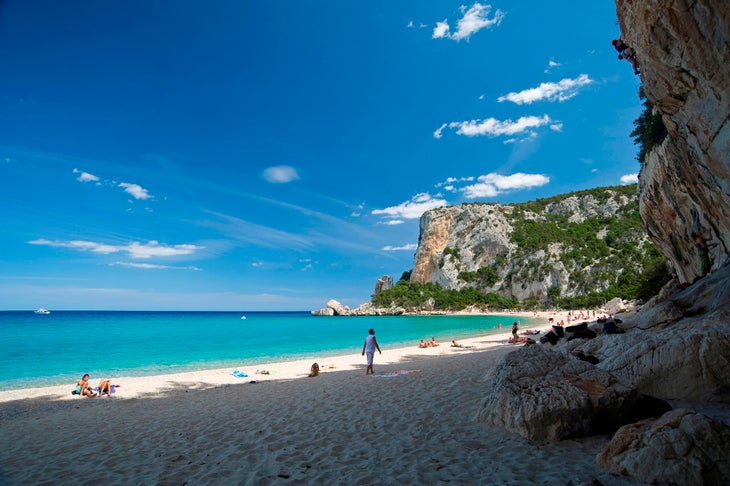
(369, 347)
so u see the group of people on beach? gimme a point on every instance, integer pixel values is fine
(84, 388)
(430, 344)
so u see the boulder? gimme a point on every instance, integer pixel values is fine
(687, 360)
(615, 306)
(705, 296)
(323, 312)
(681, 447)
(338, 308)
(547, 395)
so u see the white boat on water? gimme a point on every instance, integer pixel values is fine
(42, 311)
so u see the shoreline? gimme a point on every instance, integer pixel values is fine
(413, 422)
(152, 385)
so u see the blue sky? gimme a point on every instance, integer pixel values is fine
(241, 155)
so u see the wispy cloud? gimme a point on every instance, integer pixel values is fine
(135, 190)
(409, 247)
(493, 128)
(280, 174)
(475, 19)
(412, 25)
(243, 231)
(151, 266)
(563, 90)
(413, 209)
(629, 179)
(492, 184)
(134, 249)
(551, 64)
(450, 181)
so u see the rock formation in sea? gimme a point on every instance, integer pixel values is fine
(333, 308)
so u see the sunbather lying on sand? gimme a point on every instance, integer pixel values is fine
(454, 344)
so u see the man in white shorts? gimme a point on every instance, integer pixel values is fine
(369, 347)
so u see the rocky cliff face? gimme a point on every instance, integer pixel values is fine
(683, 48)
(566, 246)
(676, 347)
(479, 233)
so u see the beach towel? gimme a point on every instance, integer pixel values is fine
(112, 389)
(396, 373)
(239, 374)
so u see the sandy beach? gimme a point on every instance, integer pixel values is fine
(413, 422)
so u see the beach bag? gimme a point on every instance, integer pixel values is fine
(314, 371)
(550, 337)
(577, 327)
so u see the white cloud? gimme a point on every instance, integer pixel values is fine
(394, 222)
(281, 174)
(629, 179)
(493, 127)
(134, 249)
(441, 30)
(491, 185)
(137, 191)
(412, 25)
(413, 209)
(85, 176)
(448, 183)
(151, 266)
(563, 90)
(409, 247)
(475, 19)
(551, 64)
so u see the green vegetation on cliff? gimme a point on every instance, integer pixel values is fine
(603, 253)
(649, 130)
(411, 294)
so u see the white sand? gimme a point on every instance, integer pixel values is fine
(341, 427)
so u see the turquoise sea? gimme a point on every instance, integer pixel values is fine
(41, 350)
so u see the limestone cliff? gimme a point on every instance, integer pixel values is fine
(569, 245)
(683, 48)
(676, 347)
